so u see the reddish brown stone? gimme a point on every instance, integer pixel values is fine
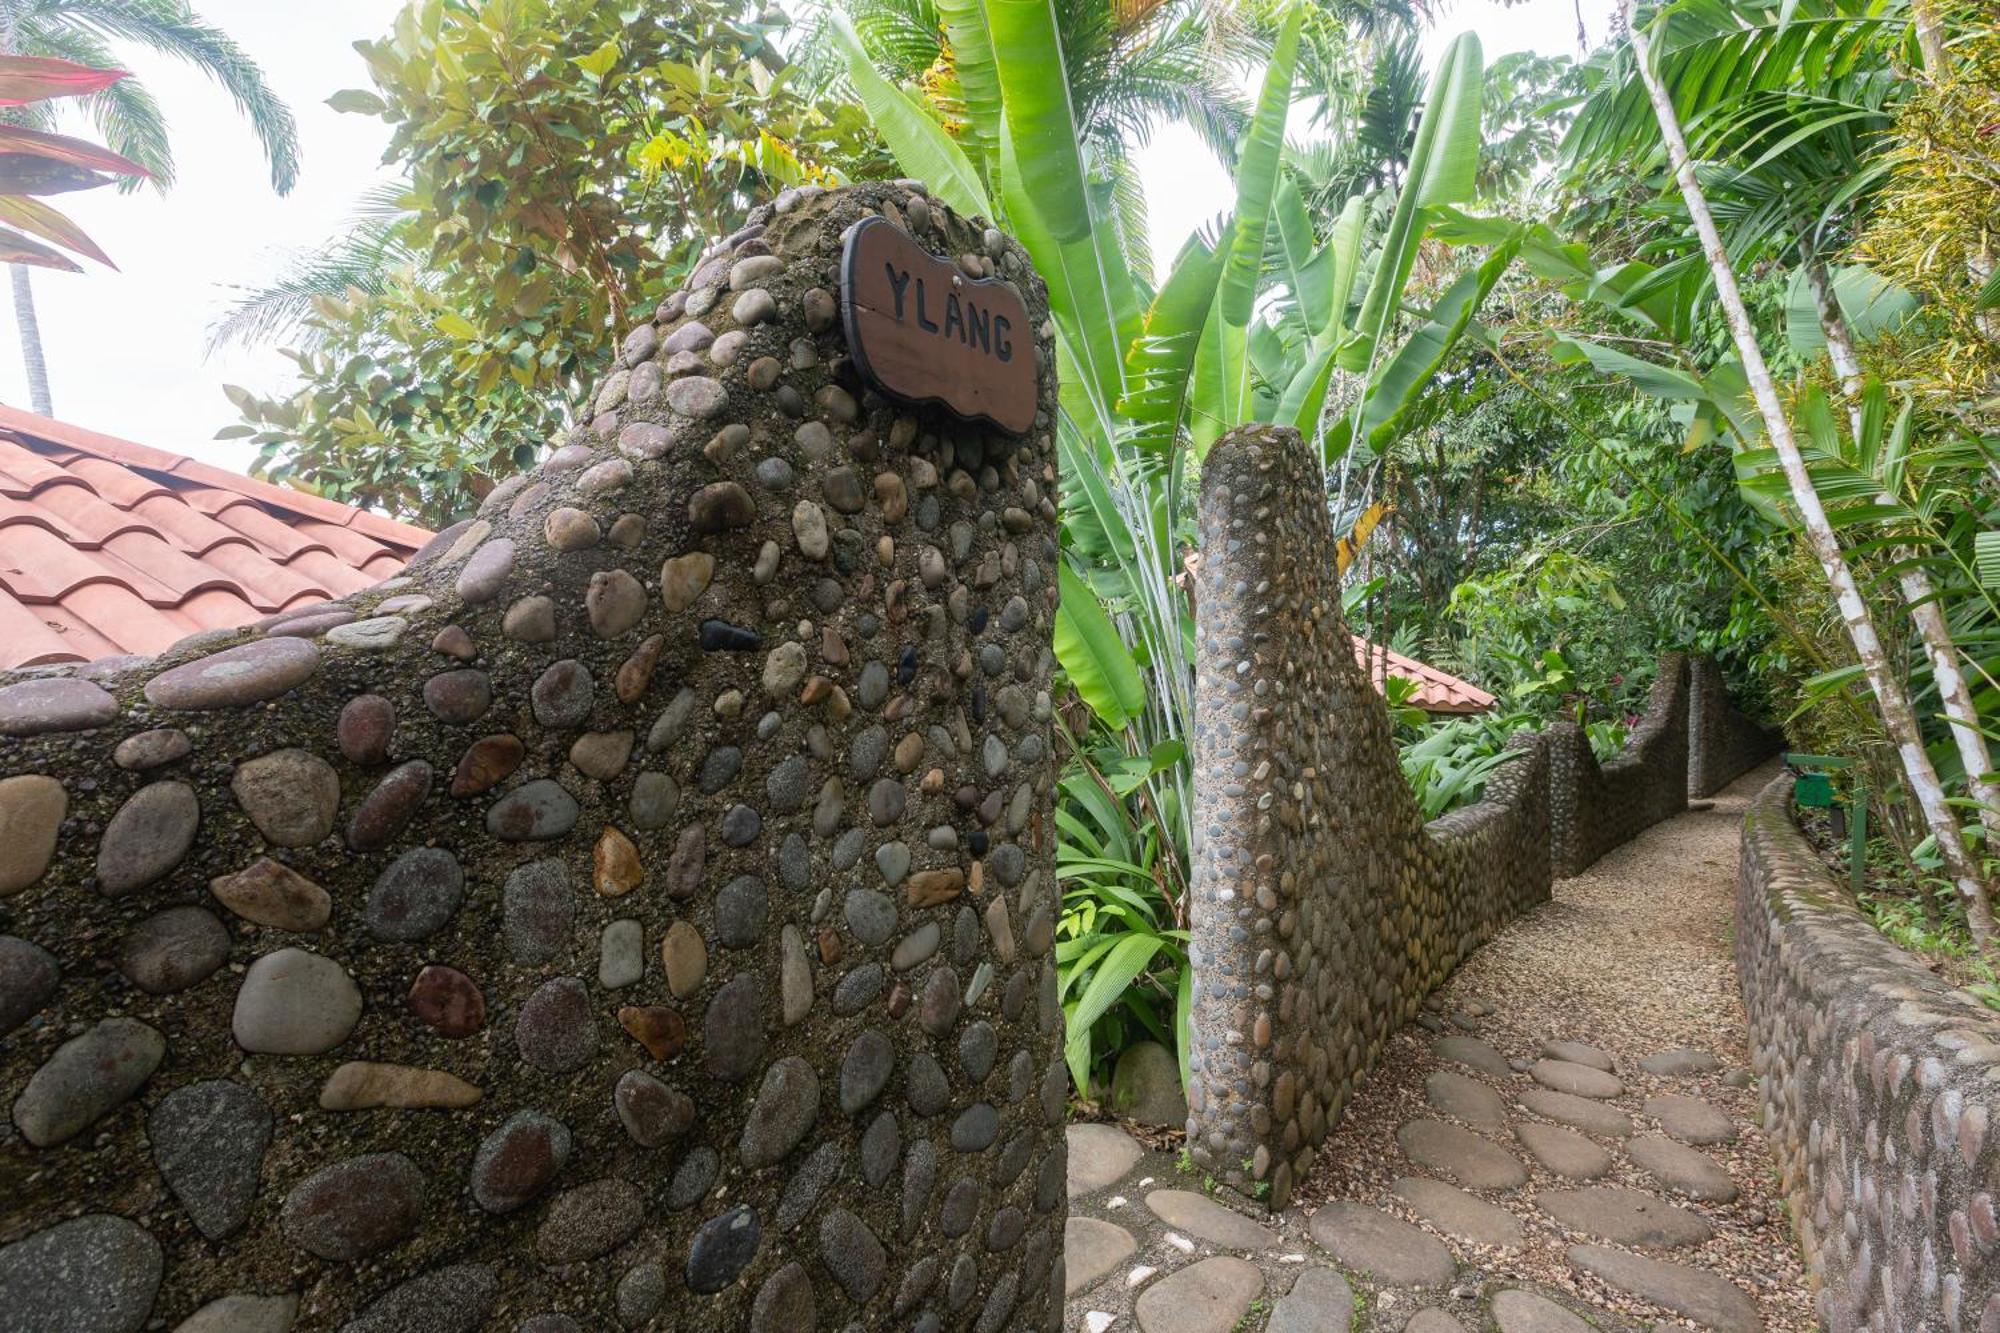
(364, 729)
(928, 888)
(453, 641)
(448, 1001)
(386, 809)
(637, 672)
(685, 865)
(662, 1031)
(485, 762)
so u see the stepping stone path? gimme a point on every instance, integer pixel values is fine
(1604, 1177)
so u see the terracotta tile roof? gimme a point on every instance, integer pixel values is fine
(1437, 691)
(111, 547)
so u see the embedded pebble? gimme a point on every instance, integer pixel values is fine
(415, 896)
(556, 1030)
(293, 1002)
(385, 810)
(28, 977)
(588, 1221)
(355, 1208)
(533, 812)
(148, 837)
(271, 893)
(173, 950)
(153, 749)
(59, 703)
(447, 1001)
(364, 728)
(92, 1274)
(31, 814)
(519, 1160)
(248, 674)
(86, 1079)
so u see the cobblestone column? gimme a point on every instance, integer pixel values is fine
(637, 915)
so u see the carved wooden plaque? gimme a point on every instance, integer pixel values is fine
(922, 331)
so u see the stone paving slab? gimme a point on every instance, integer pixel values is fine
(1413, 1246)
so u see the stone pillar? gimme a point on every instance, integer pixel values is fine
(1324, 909)
(637, 915)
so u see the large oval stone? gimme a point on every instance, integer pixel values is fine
(557, 1030)
(60, 703)
(517, 1161)
(148, 837)
(93, 1274)
(722, 1248)
(448, 1002)
(87, 1078)
(355, 1208)
(384, 811)
(533, 812)
(31, 814)
(415, 896)
(208, 1143)
(295, 1003)
(588, 1221)
(173, 950)
(248, 674)
(787, 1105)
(453, 1299)
(366, 723)
(290, 795)
(28, 977)
(273, 894)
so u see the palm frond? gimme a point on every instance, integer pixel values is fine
(362, 258)
(172, 28)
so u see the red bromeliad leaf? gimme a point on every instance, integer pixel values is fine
(38, 219)
(15, 139)
(18, 249)
(25, 79)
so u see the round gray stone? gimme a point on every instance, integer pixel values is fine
(148, 837)
(1205, 1219)
(1091, 1250)
(1517, 1311)
(93, 1274)
(248, 674)
(1473, 1054)
(1690, 1119)
(1580, 1112)
(1576, 1079)
(453, 1299)
(1707, 1298)
(28, 976)
(208, 1142)
(415, 896)
(1211, 1296)
(355, 1208)
(1466, 1099)
(1562, 1151)
(1099, 1156)
(1681, 1169)
(557, 1028)
(1576, 1053)
(293, 1002)
(1319, 1302)
(1624, 1216)
(588, 1221)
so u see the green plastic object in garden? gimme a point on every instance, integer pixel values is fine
(1814, 790)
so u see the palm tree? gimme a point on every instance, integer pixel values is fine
(130, 121)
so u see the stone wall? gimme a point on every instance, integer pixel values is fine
(1324, 909)
(1723, 743)
(638, 915)
(1594, 807)
(1878, 1086)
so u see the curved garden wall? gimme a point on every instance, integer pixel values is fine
(642, 909)
(1878, 1081)
(1324, 909)
(1723, 744)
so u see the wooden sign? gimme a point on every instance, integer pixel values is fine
(922, 331)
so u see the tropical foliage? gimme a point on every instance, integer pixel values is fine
(562, 161)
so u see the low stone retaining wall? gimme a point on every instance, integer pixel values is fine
(1723, 744)
(1878, 1086)
(1324, 909)
(1594, 807)
(638, 915)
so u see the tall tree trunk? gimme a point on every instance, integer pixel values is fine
(31, 342)
(1918, 591)
(1930, 37)
(1891, 699)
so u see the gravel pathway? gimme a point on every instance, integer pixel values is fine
(1568, 1130)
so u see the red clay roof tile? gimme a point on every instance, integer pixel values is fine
(107, 546)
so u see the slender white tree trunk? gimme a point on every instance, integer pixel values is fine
(1918, 591)
(31, 341)
(1930, 38)
(1891, 699)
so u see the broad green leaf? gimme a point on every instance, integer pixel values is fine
(1034, 87)
(1115, 972)
(978, 78)
(454, 325)
(1443, 167)
(920, 144)
(1257, 175)
(1398, 385)
(1093, 655)
(357, 102)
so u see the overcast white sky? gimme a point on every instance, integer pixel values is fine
(127, 350)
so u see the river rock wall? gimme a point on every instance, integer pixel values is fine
(639, 914)
(1878, 1087)
(1324, 909)
(1597, 806)
(1723, 742)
